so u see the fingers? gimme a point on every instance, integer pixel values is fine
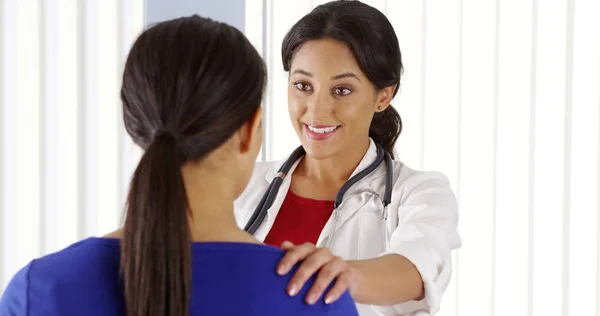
(286, 245)
(334, 268)
(293, 256)
(315, 260)
(311, 265)
(342, 284)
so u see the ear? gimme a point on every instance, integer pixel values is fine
(384, 98)
(251, 131)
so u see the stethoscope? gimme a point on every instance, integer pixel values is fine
(269, 197)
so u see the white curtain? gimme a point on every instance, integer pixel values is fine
(65, 160)
(504, 98)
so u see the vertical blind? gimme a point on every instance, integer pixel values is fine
(501, 96)
(64, 157)
(504, 98)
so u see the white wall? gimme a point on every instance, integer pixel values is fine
(504, 98)
(228, 11)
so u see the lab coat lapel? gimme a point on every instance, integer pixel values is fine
(367, 159)
(265, 227)
(351, 203)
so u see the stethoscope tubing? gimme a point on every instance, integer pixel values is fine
(269, 197)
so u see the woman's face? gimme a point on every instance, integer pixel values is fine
(331, 101)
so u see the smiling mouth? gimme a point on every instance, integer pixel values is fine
(320, 132)
(322, 129)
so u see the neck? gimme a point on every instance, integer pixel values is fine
(210, 196)
(336, 168)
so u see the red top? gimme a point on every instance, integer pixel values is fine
(299, 220)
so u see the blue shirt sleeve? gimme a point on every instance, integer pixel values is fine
(14, 300)
(343, 306)
(347, 306)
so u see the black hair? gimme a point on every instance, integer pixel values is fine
(372, 40)
(188, 85)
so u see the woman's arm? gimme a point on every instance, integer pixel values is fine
(387, 280)
(417, 264)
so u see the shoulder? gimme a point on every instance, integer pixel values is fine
(246, 273)
(296, 305)
(408, 176)
(424, 194)
(345, 305)
(430, 187)
(65, 275)
(79, 258)
(76, 276)
(14, 301)
(409, 179)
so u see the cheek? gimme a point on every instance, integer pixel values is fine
(294, 105)
(357, 112)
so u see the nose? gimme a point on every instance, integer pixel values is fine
(319, 103)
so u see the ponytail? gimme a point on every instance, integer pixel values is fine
(198, 81)
(156, 250)
(385, 128)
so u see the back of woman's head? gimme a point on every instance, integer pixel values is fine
(189, 84)
(371, 38)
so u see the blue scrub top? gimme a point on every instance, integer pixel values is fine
(228, 279)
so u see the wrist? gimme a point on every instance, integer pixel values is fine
(359, 278)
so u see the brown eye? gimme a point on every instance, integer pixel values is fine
(302, 86)
(342, 91)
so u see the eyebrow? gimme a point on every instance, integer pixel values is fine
(336, 77)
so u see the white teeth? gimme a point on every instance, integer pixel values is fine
(322, 129)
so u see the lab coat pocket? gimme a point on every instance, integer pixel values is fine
(371, 232)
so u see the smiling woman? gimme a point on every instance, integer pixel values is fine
(344, 67)
(331, 96)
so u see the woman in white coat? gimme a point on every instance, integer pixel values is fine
(344, 66)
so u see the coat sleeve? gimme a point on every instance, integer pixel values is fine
(426, 235)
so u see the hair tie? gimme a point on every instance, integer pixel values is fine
(166, 134)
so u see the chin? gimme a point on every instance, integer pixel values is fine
(319, 150)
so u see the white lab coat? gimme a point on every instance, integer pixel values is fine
(421, 225)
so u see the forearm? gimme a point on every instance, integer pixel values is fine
(387, 280)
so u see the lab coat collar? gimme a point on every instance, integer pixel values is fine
(367, 159)
(329, 228)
